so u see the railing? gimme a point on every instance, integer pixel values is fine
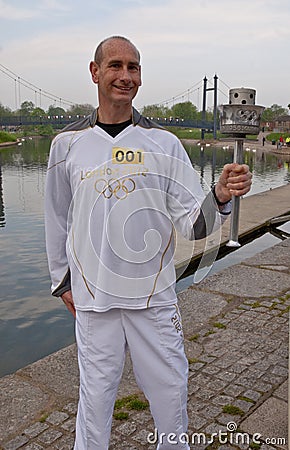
(61, 121)
(176, 122)
(18, 121)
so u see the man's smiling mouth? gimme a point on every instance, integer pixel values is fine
(123, 88)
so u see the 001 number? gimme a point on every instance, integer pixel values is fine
(127, 156)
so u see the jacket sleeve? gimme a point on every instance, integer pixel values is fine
(194, 214)
(58, 198)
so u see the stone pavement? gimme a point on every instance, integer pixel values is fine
(236, 337)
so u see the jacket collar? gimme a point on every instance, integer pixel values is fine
(93, 117)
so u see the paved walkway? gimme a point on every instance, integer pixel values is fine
(236, 337)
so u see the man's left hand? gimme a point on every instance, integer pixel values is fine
(236, 179)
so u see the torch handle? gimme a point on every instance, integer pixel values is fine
(234, 229)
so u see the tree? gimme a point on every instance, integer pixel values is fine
(4, 111)
(209, 116)
(185, 110)
(272, 113)
(38, 112)
(156, 111)
(26, 108)
(56, 111)
(45, 130)
(80, 110)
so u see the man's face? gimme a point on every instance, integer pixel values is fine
(119, 74)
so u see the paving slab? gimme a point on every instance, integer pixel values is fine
(271, 421)
(279, 255)
(282, 392)
(52, 373)
(20, 403)
(245, 281)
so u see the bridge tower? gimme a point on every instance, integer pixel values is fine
(205, 90)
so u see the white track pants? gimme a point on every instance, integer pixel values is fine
(155, 341)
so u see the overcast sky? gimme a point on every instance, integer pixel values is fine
(50, 43)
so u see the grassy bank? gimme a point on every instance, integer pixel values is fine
(189, 133)
(195, 133)
(275, 136)
(7, 137)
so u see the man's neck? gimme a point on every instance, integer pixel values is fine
(114, 114)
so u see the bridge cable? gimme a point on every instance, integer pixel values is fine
(32, 86)
(182, 94)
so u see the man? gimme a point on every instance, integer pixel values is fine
(117, 186)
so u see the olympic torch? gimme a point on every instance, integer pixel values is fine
(240, 117)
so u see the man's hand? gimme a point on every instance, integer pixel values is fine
(236, 179)
(69, 303)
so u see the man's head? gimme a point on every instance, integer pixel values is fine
(99, 50)
(116, 70)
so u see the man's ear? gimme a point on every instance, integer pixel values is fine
(94, 69)
(140, 83)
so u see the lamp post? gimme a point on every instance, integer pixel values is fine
(238, 118)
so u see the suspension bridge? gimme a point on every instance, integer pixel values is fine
(37, 96)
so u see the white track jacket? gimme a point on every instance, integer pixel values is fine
(111, 209)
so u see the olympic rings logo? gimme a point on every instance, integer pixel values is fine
(120, 189)
(247, 116)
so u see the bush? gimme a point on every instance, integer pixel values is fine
(7, 137)
(45, 130)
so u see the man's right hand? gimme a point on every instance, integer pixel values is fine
(69, 303)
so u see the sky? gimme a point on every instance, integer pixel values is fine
(49, 43)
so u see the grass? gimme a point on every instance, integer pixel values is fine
(121, 415)
(256, 305)
(192, 360)
(285, 311)
(194, 337)
(131, 402)
(195, 133)
(7, 137)
(43, 418)
(246, 399)
(233, 410)
(219, 325)
(273, 306)
(189, 133)
(255, 446)
(208, 333)
(275, 136)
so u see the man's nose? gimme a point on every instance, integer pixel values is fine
(125, 74)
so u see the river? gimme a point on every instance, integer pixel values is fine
(33, 324)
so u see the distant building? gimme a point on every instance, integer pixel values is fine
(282, 124)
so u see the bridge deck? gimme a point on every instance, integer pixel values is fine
(62, 121)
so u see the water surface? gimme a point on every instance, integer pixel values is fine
(34, 324)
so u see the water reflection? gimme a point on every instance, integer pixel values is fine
(33, 324)
(269, 170)
(2, 213)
